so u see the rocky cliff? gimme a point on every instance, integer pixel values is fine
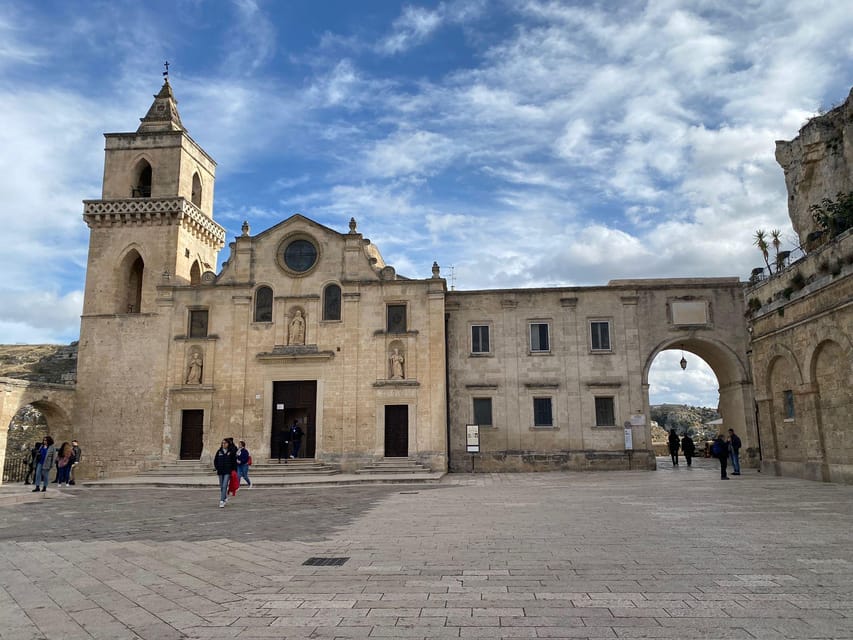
(818, 164)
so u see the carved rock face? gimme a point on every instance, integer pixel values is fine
(818, 164)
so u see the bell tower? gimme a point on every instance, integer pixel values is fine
(154, 222)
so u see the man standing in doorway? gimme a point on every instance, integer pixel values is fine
(295, 439)
(734, 452)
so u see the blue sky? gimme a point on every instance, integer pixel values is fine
(525, 143)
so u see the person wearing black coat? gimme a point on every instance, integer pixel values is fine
(673, 447)
(225, 461)
(688, 448)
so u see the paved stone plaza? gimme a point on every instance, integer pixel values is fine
(667, 554)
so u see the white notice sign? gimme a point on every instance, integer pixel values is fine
(279, 407)
(472, 438)
(629, 439)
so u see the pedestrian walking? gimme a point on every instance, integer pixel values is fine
(295, 439)
(720, 450)
(244, 459)
(673, 447)
(225, 461)
(76, 459)
(63, 464)
(688, 448)
(44, 463)
(734, 452)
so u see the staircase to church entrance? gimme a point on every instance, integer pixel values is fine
(265, 469)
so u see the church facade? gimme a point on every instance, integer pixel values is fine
(306, 324)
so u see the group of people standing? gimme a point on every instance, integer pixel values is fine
(723, 449)
(232, 464)
(44, 456)
(292, 438)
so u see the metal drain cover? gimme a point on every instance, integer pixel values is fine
(324, 562)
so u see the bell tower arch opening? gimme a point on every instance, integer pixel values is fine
(130, 277)
(712, 363)
(142, 180)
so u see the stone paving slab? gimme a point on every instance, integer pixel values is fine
(674, 553)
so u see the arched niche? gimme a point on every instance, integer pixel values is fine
(131, 273)
(195, 273)
(143, 175)
(195, 195)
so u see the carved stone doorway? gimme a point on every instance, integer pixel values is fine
(294, 401)
(192, 432)
(396, 430)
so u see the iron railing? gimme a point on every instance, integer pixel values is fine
(15, 470)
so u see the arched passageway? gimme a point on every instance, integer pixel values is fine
(735, 403)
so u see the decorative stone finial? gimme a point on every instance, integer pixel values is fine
(245, 228)
(352, 225)
(435, 270)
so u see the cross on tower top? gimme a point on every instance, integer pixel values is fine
(166, 72)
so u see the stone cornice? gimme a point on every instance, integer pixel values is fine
(153, 212)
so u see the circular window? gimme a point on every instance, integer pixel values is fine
(300, 255)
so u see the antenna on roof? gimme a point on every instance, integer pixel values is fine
(452, 278)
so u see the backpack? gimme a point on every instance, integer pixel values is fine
(250, 461)
(716, 449)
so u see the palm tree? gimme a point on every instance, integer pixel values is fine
(776, 241)
(761, 242)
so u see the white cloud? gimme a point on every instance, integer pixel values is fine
(409, 152)
(411, 28)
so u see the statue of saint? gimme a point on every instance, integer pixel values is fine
(397, 365)
(297, 329)
(194, 369)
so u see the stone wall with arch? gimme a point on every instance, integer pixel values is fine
(54, 401)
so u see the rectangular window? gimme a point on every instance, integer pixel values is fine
(198, 323)
(542, 416)
(539, 337)
(479, 338)
(483, 412)
(600, 333)
(396, 318)
(789, 404)
(605, 415)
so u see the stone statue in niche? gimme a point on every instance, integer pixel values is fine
(194, 369)
(297, 329)
(397, 365)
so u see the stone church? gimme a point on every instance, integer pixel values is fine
(308, 324)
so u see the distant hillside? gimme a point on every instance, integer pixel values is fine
(54, 363)
(682, 418)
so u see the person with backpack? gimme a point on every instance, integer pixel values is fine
(734, 452)
(32, 462)
(45, 461)
(225, 461)
(244, 459)
(720, 450)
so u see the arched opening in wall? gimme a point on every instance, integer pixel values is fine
(704, 397)
(263, 304)
(30, 424)
(142, 180)
(196, 191)
(332, 302)
(686, 400)
(195, 273)
(784, 382)
(831, 374)
(130, 277)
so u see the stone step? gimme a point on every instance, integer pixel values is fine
(394, 465)
(269, 468)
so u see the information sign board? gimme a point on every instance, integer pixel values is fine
(472, 438)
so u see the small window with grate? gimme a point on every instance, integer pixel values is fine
(483, 412)
(396, 318)
(605, 414)
(542, 414)
(198, 323)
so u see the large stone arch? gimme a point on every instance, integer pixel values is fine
(831, 375)
(55, 401)
(735, 386)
